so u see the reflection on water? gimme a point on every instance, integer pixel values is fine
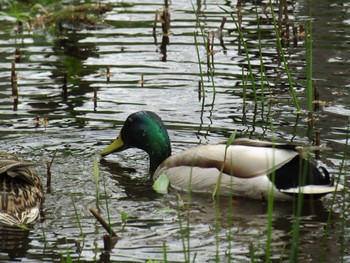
(14, 243)
(85, 83)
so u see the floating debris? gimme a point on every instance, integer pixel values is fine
(38, 122)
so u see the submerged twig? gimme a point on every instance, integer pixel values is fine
(103, 223)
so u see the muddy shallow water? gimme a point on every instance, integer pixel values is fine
(78, 131)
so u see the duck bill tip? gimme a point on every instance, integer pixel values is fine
(116, 145)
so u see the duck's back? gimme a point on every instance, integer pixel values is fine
(241, 161)
(21, 191)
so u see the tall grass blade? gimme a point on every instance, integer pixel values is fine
(96, 177)
(165, 259)
(344, 203)
(182, 231)
(286, 67)
(297, 214)
(309, 88)
(200, 66)
(107, 207)
(206, 44)
(246, 53)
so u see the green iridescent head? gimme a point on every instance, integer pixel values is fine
(144, 130)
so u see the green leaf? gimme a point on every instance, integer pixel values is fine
(124, 216)
(161, 184)
(24, 227)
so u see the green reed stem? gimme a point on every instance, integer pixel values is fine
(200, 65)
(165, 259)
(296, 219)
(344, 205)
(216, 198)
(262, 68)
(188, 214)
(107, 207)
(246, 53)
(206, 45)
(344, 208)
(80, 227)
(309, 88)
(230, 218)
(182, 231)
(286, 67)
(270, 206)
(78, 218)
(96, 177)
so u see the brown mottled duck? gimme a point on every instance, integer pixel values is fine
(21, 191)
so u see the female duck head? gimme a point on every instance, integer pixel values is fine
(144, 130)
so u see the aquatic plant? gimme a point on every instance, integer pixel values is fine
(55, 15)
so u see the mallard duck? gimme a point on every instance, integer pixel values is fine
(21, 191)
(251, 168)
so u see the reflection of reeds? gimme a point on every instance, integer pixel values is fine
(64, 85)
(108, 73)
(94, 98)
(14, 81)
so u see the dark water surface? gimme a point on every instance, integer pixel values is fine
(78, 131)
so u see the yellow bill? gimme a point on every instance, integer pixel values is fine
(116, 145)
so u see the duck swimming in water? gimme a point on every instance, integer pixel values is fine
(250, 168)
(21, 191)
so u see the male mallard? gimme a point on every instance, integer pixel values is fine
(251, 168)
(21, 191)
